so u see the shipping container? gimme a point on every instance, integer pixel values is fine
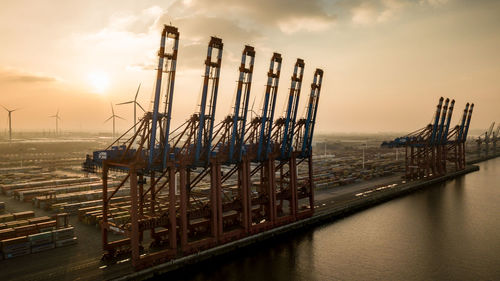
(66, 242)
(40, 238)
(24, 215)
(43, 247)
(63, 233)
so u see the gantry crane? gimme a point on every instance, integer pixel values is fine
(208, 184)
(495, 139)
(282, 138)
(442, 143)
(430, 148)
(192, 151)
(304, 130)
(484, 138)
(259, 164)
(457, 138)
(232, 191)
(144, 154)
(488, 138)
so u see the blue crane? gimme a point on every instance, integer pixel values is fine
(241, 105)
(444, 138)
(312, 112)
(143, 146)
(171, 60)
(462, 123)
(436, 120)
(198, 129)
(207, 110)
(231, 131)
(291, 109)
(266, 122)
(469, 116)
(258, 136)
(441, 124)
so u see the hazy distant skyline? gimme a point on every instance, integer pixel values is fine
(386, 62)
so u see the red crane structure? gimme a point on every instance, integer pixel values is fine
(204, 184)
(487, 137)
(495, 139)
(428, 150)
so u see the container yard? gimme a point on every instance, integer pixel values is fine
(43, 209)
(32, 233)
(22, 233)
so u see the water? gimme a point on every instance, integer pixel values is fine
(447, 232)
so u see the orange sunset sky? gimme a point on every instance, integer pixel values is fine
(386, 62)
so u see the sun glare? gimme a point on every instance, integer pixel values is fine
(99, 81)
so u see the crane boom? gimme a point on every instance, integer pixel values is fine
(273, 76)
(436, 120)
(462, 123)
(156, 103)
(291, 110)
(468, 123)
(173, 33)
(312, 109)
(241, 104)
(441, 124)
(448, 120)
(207, 111)
(489, 132)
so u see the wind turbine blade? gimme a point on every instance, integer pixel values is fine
(137, 93)
(253, 103)
(112, 110)
(251, 109)
(119, 117)
(127, 102)
(140, 106)
(5, 108)
(108, 119)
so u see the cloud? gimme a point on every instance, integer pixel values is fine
(288, 16)
(369, 12)
(434, 2)
(235, 21)
(293, 25)
(142, 66)
(364, 12)
(197, 28)
(137, 23)
(19, 76)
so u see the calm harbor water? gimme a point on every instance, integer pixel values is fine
(450, 231)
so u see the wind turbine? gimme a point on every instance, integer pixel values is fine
(10, 120)
(135, 105)
(113, 116)
(57, 120)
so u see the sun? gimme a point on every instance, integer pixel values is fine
(99, 81)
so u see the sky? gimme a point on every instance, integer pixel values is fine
(385, 62)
